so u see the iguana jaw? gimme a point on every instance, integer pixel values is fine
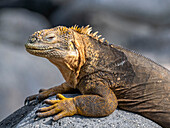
(45, 50)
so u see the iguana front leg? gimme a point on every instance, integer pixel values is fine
(97, 100)
(45, 93)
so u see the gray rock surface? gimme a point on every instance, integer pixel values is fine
(118, 119)
(12, 120)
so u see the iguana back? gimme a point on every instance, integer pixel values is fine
(149, 92)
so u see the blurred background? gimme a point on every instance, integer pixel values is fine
(143, 26)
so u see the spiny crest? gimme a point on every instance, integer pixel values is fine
(88, 31)
(62, 29)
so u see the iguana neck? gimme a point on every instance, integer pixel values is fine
(67, 72)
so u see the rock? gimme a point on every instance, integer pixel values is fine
(12, 120)
(118, 119)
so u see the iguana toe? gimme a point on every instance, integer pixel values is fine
(30, 99)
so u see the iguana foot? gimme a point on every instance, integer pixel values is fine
(37, 97)
(62, 107)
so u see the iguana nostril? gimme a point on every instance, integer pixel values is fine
(32, 39)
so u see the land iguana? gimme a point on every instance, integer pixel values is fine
(106, 75)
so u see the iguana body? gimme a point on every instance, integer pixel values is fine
(106, 75)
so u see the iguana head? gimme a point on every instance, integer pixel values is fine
(52, 43)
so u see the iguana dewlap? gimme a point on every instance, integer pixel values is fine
(106, 75)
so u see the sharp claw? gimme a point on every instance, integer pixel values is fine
(31, 102)
(43, 102)
(37, 111)
(37, 100)
(27, 102)
(36, 117)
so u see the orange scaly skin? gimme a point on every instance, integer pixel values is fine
(106, 75)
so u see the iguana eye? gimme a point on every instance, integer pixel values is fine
(50, 37)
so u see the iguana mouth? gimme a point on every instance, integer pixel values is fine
(39, 47)
(44, 50)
